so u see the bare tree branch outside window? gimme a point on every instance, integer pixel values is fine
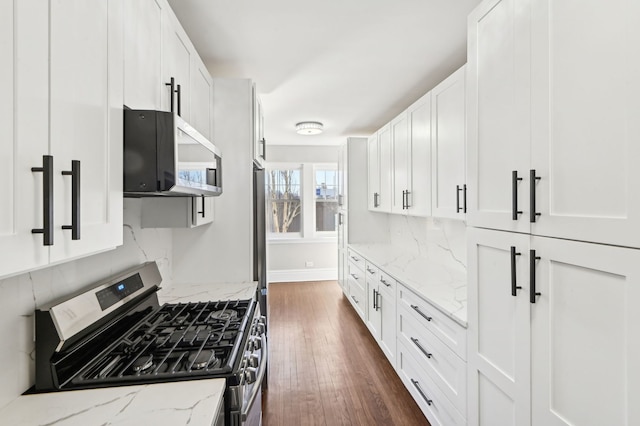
(284, 200)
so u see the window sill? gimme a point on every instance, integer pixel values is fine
(321, 240)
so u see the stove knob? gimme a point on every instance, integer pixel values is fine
(250, 345)
(253, 361)
(257, 343)
(251, 374)
(262, 319)
(260, 328)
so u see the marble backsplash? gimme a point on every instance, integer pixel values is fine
(443, 239)
(20, 295)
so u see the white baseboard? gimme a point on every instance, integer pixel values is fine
(297, 275)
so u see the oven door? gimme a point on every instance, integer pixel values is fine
(251, 412)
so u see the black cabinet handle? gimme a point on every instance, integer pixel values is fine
(514, 195)
(179, 93)
(378, 301)
(532, 195)
(514, 285)
(340, 219)
(425, 397)
(75, 199)
(203, 211)
(458, 189)
(376, 197)
(464, 196)
(263, 141)
(422, 314)
(532, 276)
(407, 192)
(47, 200)
(172, 89)
(423, 350)
(375, 299)
(383, 281)
(355, 277)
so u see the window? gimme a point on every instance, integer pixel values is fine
(284, 201)
(326, 199)
(302, 202)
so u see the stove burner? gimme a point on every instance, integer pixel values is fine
(143, 363)
(225, 314)
(205, 359)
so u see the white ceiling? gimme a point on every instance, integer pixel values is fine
(351, 64)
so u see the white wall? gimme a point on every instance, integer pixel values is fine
(21, 295)
(286, 261)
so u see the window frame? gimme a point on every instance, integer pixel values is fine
(323, 167)
(284, 235)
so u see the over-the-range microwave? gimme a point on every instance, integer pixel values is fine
(165, 156)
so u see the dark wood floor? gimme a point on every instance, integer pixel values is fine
(325, 367)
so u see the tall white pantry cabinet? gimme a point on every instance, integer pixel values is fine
(553, 113)
(62, 131)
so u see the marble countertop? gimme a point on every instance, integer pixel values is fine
(205, 292)
(193, 402)
(441, 282)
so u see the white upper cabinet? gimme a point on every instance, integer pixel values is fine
(585, 112)
(385, 160)
(449, 190)
(553, 148)
(373, 170)
(201, 97)
(65, 162)
(86, 98)
(379, 166)
(24, 121)
(176, 67)
(259, 141)
(418, 197)
(143, 85)
(400, 169)
(498, 137)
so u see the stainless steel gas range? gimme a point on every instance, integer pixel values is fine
(117, 333)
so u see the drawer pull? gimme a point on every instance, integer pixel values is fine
(423, 350)
(355, 277)
(371, 271)
(425, 397)
(422, 314)
(355, 259)
(355, 300)
(383, 281)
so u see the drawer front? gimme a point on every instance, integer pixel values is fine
(447, 330)
(356, 259)
(372, 272)
(387, 284)
(357, 297)
(357, 273)
(447, 370)
(435, 406)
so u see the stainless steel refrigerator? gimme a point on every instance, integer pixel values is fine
(260, 247)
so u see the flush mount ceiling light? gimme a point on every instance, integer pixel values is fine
(309, 128)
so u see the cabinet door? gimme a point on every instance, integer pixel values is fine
(386, 162)
(203, 210)
(400, 165)
(201, 97)
(498, 332)
(259, 142)
(585, 142)
(176, 49)
(498, 114)
(419, 197)
(374, 318)
(585, 334)
(373, 169)
(448, 147)
(143, 83)
(86, 97)
(24, 122)
(387, 306)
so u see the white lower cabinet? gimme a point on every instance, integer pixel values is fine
(554, 336)
(381, 310)
(425, 346)
(433, 403)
